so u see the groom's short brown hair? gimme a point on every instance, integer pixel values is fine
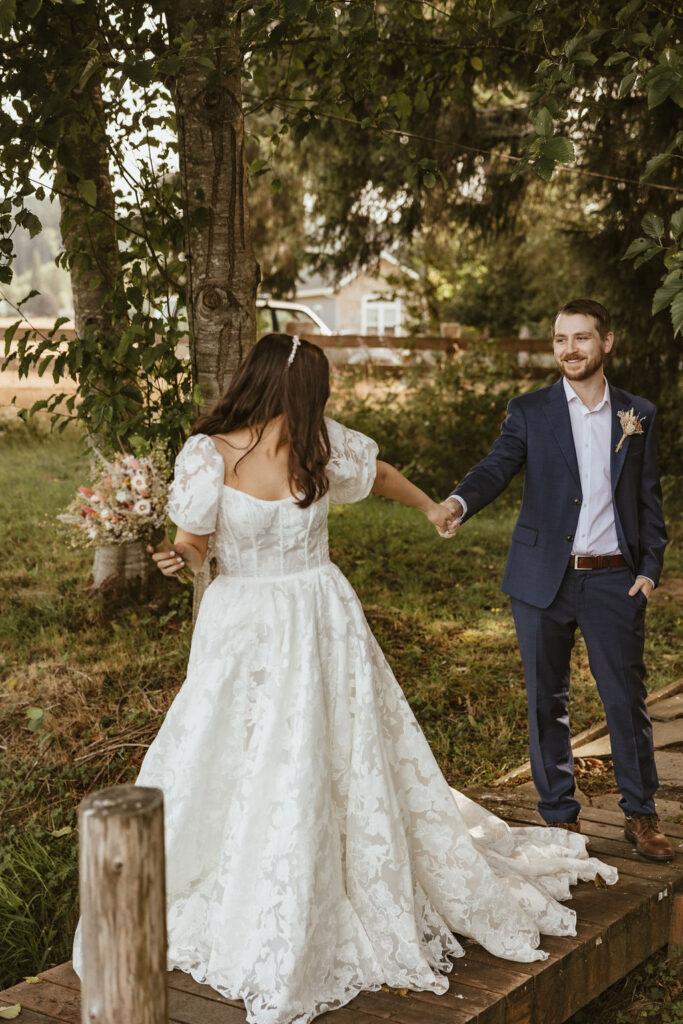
(588, 307)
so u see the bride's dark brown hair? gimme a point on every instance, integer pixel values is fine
(267, 385)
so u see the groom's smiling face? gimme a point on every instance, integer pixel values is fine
(578, 347)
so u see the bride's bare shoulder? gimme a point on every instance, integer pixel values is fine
(233, 444)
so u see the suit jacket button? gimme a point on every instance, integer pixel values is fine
(570, 536)
(577, 501)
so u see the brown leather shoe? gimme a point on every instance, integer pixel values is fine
(650, 841)
(570, 826)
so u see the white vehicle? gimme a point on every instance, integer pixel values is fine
(278, 316)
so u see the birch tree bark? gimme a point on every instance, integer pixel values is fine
(222, 273)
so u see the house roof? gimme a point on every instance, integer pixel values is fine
(314, 283)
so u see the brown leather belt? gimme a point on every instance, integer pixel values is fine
(596, 561)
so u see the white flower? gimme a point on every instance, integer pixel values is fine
(142, 507)
(92, 532)
(138, 482)
(122, 496)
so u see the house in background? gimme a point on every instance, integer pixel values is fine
(362, 302)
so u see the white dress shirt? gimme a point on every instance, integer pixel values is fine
(596, 532)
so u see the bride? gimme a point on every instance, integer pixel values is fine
(313, 847)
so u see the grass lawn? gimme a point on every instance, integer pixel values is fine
(103, 675)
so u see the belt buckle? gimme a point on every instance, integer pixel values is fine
(576, 558)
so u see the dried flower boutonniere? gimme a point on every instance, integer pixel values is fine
(631, 423)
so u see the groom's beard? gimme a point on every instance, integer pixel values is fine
(580, 369)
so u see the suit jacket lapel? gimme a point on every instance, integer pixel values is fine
(557, 411)
(617, 458)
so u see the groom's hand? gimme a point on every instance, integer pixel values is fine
(641, 583)
(455, 509)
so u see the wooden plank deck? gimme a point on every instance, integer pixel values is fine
(618, 928)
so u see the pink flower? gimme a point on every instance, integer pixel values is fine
(86, 491)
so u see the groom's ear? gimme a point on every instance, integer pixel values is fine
(608, 342)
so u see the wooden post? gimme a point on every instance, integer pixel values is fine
(676, 929)
(123, 906)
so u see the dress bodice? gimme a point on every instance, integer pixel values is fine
(269, 538)
(259, 538)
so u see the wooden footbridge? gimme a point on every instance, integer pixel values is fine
(618, 928)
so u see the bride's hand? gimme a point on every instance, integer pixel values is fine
(444, 518)
(171, 559)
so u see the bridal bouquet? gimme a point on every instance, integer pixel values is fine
(126, 502)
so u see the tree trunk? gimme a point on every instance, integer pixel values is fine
(123, 906)
(222, 273)
(89, 237)
(89, 230)
(117, 566)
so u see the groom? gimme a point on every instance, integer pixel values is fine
(586, 551)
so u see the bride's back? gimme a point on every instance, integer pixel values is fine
(257, 467)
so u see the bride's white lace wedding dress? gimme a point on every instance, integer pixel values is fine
(313, 847)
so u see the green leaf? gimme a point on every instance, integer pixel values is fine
(8, 13)
(29, 221)
(676, 224)
(428, 180)
(93, 65)
(9, 334)
(559, 149)
(543, 122)
(544, 168)
(677, 314)
(637, 246)
(626, 12)
(477, 63)
(44, 363)
(258, 167)
(664, 296)
(660, 88)
(402, 104)
(31, 7)
(646, 256)
(88, 189)
(35, 717)
(617, 58)
(653, 225)
(505, 17)
(626, 84)
(653, 164)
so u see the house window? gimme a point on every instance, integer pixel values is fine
(380, 316)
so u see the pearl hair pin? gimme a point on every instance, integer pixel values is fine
(295, 344)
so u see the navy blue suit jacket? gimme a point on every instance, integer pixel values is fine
(537, 433)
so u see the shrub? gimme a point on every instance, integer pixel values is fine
(440, 425)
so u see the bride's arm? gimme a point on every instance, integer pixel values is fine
(390, 483)
(187, 549)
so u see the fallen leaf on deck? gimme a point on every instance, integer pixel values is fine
(33, 980)
(599, 882)
(10, 1012)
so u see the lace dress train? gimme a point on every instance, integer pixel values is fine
(313, 847)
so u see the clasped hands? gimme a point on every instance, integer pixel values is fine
(446, 517)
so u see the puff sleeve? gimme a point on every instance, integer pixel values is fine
(197, 485)
(353, 464)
